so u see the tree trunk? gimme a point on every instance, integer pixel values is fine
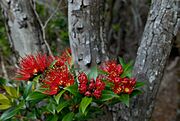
(86, 32)
(22, 26)
(87, 36)
(162, 25)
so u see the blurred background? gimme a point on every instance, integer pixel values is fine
(124, 21)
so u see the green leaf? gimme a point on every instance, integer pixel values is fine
(27, 89)
(11, 91)
(135, 92)
(108, 95)
(58, 96)
(36, 79)
(3, 107)
(68, 117)
(53, 63)
(11, 112)
(72, 89)
(51, 108)
(3, 97)
(35, 96)
(124, 98)
(62, 105)
(54, 118)
(2, 81)
(127, 70)
(121, 61)
(5, 101)
(93, 73)
(139, 84)
(85, 102)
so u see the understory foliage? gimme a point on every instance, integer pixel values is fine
(51, 88)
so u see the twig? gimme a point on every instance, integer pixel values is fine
(42, 27)
(50, 17)
(4, 71)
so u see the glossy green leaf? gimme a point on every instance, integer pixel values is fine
(5, 101)
(124, 98)
(11, 112)
(3, 107)
(121, 61)
(3, 97)
(72, 89)
(85, 102)
(68, 117)
(108, 95)
(35, 96)
(139, 84)
(11, 91)
(54, 118)
(127, 70)
(58, 96)
(51, 108)
(27, 90)
(62, 105)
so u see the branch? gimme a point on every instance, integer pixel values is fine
(51, 16)
(42, 27)
(4, 71)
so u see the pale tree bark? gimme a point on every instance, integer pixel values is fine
(87, 36)
(23, 28)
(86, 32)
(162, 25)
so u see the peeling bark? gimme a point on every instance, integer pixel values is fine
(86, 32)
(162, 25)
(23, 28)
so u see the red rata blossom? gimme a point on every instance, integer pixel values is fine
(65, 57)
(57, 77)
(113, 73)
(112, 69)
(32, 65)
(125, 86)
(94, 88)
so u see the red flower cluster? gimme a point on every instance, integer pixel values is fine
(114, 71)
(93, 88)
(126, 85)
(65, 57)
(32, 65)
(55, 78)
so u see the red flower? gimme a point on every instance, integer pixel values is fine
(65, 57)
(82, 78)
(53, 90)
(118, 89)
(117, 80)
(97, 94)
(87, 93)
(31, 65)
(100, 85)
(92, 84)
(82, 88)
(112, 68)
(58, 77)
(93, 88)
(125, 86)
